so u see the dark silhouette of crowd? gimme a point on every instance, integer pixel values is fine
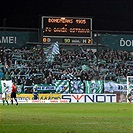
(28, 66)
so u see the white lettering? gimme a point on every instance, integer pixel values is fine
(84, 41)
(4, 39)
(8, 39)
(127, 43)
(11, 39)
(122, 42)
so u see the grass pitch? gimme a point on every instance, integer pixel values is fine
(67, 118)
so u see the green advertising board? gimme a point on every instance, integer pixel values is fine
(17, 39)
(93, 87)
(20, 39)
(117, 41)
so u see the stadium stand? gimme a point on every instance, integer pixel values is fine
(26, 66)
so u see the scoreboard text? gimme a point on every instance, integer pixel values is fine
(67, 27)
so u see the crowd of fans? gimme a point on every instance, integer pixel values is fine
(30, 66)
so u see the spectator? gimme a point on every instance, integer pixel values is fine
(23, 68)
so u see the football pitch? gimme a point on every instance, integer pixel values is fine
(67, 118)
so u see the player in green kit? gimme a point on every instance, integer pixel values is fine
(4, 94)
(129, 95)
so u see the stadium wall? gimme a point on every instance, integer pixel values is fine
(17, 38)
(117, 41)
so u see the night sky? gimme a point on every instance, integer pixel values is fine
(116, 15)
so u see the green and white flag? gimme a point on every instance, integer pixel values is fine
(62, 86)
(55, 49)
(77, 87)
(85, 68)
(94, 87)
(51, 51)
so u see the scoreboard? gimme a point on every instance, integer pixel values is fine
(66, 29)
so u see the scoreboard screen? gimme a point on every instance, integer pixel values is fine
(66, 29)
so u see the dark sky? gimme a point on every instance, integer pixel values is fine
(116, 15)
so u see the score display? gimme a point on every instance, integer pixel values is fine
(67, 40)
(66, 29)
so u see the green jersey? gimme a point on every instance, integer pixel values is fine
(130, 88)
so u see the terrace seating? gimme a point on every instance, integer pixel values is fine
(30, 64)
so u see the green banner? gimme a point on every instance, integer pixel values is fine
(117, 41)
(46, 88)
(17, 39)
(92, 87)
(62, 86)
(76, 87)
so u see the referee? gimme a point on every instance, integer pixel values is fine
(13, 93)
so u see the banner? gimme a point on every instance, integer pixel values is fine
(117, 41)
(46, 88)
(24, 97)
(76, 87)
(17, 39)
(49, 96)
(111, 86)
(62, 86)
(94, 87)
(89, 98)
(73, 87)
(40, 96)
(51, 51)
(69, 98)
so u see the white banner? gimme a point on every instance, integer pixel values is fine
(111, 87)
(89, 98)
(76, 98)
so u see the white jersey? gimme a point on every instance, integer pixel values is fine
(130, 89)
(4, 93)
